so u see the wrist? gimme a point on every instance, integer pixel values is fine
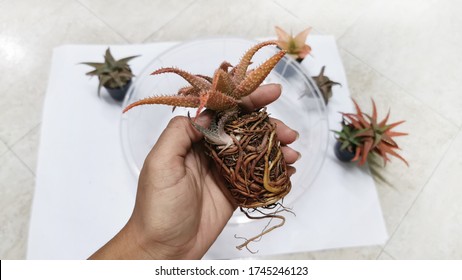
(151, 248)
(124, 245)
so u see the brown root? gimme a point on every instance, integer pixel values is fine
(267, 229)
(254, 165)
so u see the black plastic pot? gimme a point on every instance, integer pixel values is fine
(343, 155)
(119, 93)
(284, 68)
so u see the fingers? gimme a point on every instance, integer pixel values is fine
(290, 155)
(178, 137)
(285, 134)
(261, 97)
(291, 170)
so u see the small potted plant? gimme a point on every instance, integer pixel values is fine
(295, 48)
(362, 135)
(114, 75)
(325, 85)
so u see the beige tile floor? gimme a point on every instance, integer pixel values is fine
(404, 54)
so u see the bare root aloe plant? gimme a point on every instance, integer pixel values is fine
(243, 145)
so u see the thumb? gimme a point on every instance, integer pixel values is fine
(177, 138)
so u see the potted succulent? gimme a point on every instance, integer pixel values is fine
(362, 135)
(325, 85)
(295, 47)
(260, 180)
(114, 75)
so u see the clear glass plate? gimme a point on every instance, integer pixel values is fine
(300, 106)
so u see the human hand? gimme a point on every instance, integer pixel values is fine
(182, 204)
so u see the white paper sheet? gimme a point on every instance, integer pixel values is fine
(85, 193)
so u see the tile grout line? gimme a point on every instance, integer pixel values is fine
(321, 32)
(19, 140)
(459, 129)
(385, 76)
(9, 147)
(337, 38)
(6, 150)
(287, 10)
(104, 22)
(168, 22)
(385, 252)
(9, 150)
(420, 192)
(25, 135)
(399, 87)
(23, 163)
(372, 6)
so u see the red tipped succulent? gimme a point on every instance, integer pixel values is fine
(363, 134)
(220, 93)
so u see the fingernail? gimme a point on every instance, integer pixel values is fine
(299, 156)
(280, 87)
(297, 136)
(292, 171)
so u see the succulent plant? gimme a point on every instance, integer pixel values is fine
(111, 73)
(364, 135)
(243, 144)
(349, 136)
(294, 46)
(220, 93)
(325, 85)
